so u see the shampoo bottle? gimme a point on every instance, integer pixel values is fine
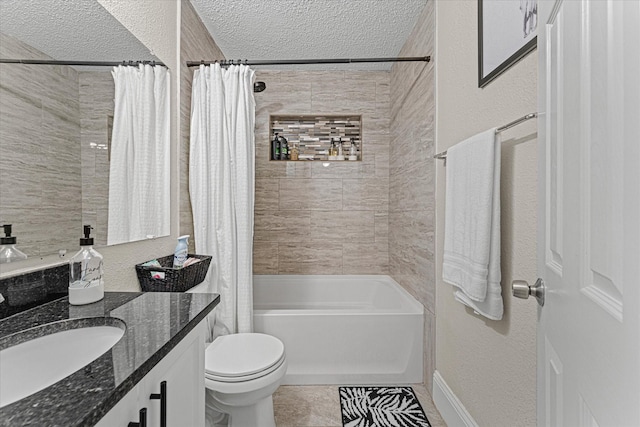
(284, 148)
(8, 250)
(275, 148)
(180, 255)
(86, 283)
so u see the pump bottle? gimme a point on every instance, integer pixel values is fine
(86, 283)
(8, 250)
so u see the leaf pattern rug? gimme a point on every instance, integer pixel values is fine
(381, 407)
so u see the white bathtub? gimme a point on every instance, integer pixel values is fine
(342, 329)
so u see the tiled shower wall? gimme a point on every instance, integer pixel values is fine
(96, 113)
(411, 177)
(317, 219)
(39, 151)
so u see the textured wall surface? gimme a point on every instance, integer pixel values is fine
(312, 219)
(96, 112)
(195, 44)
(411, 176)
(322, 29)
(40, 175)
(489, 365)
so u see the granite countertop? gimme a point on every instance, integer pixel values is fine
(155, 323)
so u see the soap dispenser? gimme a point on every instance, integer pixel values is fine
(8, 250)
(86, 283)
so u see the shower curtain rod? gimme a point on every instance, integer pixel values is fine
(78, 63)
(443, 155)
(224, 63)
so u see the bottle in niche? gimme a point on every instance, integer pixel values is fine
(284, 148)
(295, 151)
(332, 150)
(86, 283)
(353, 150)
(340, 153)
(275, 148)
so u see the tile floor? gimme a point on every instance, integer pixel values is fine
(319, 406)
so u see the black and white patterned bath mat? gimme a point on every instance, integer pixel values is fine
(381, 407)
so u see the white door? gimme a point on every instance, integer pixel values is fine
(589, 213)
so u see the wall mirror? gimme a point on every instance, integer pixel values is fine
(56, 121)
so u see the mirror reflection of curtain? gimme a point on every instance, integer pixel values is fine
(221, 186)
(139, 178)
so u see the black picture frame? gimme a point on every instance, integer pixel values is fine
(485, 76)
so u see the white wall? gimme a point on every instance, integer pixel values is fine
(489, 365)
(156, 23)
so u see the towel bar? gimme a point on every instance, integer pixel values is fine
(443, 155)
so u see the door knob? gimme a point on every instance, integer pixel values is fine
(521, 289)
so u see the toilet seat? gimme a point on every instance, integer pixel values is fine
(242, 357)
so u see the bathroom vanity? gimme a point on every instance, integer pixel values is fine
(155, 371)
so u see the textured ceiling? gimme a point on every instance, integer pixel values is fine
(79, 30)
(303, 29)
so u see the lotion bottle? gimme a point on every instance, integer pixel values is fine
(86, 282)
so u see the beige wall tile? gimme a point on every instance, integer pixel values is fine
(365, 194)
(267, 194)
(282, 169)
(311, 194)
(342, 226)
(281, 226)
(356, 193)
(310, 258)
(265, 258)
(364, 258)
(381, 223)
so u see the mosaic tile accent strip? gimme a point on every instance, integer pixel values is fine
(313, 134)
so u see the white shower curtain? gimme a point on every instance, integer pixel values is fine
(221, 186)
(139, 177)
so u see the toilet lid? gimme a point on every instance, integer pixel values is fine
(242, 355)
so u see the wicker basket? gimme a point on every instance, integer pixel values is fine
(175, 279)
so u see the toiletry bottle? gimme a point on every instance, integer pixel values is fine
(353, 150)
(332, 149)
(8, 250)
(295, 151)
(275, 148)
(284, 148)
(180, 255)
(86, 283)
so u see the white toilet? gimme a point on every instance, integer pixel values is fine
(241, 373)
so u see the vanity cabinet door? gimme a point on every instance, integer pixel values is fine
(125, 411)
(182, 371)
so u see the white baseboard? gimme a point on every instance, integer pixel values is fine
(450, 407)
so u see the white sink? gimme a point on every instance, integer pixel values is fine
(37, 363)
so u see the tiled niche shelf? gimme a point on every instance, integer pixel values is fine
(312, 134)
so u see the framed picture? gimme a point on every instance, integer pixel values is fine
(507, 31)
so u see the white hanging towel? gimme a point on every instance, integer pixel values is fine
(471, 261)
